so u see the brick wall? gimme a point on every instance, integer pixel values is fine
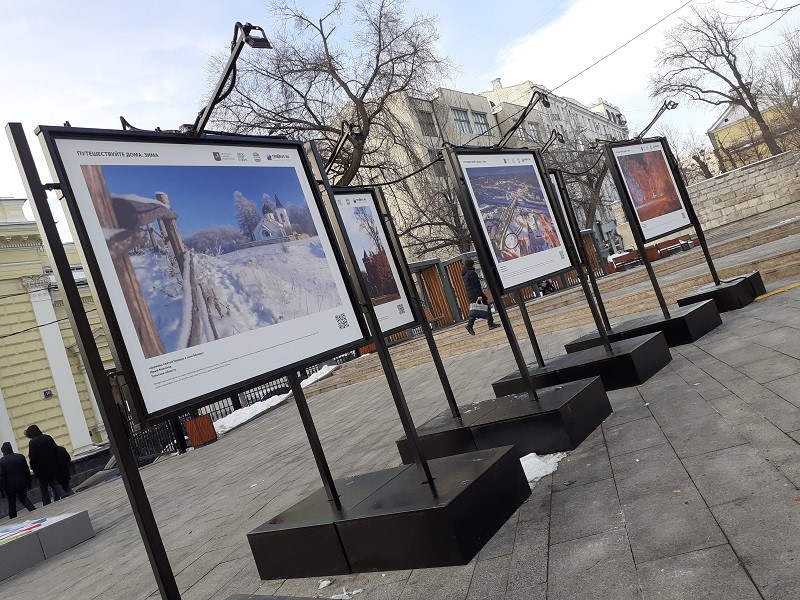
(747, 191)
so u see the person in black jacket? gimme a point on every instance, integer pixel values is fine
(15, 479)
(62, 473)
(43, 454)
(475, 293)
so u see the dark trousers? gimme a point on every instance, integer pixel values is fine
(22, 495)
(489, 318)
(58, 491)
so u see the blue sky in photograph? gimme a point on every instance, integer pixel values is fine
(203, 196)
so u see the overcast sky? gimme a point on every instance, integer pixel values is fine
(90, 62)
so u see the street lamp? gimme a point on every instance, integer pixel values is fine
(353, 132)
(554, 136)
(535, 98)
(251, 35)
(668, 105)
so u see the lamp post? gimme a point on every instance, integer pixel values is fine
(242, 34)
(555, 136)
(347, 131)
(668, 105)
(535, 99)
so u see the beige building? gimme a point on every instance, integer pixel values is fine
(42, 379)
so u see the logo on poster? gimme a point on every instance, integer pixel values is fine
(256, 157)
(241, 156)
(217, 156)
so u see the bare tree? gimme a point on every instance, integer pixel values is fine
(783, 85)
(345, 66)
(691, 150)
(368, 225)
(706, 59)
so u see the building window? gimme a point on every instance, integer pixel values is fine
(532, 132)
(427, 123)
(521, 135)
(481, 123)
(461, 118)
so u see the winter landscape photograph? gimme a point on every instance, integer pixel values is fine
(205, 253)
(514, 210)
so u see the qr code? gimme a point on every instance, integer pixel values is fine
(341, 320)
(401, 309)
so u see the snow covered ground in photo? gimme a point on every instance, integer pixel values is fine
(239, 291)
(243, 415)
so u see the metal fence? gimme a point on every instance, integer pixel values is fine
(170, 436)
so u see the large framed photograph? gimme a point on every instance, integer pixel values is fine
(654, 197)
(515, 215)
(375, 258)
(212, 258)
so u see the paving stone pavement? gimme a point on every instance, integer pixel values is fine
(688, 490)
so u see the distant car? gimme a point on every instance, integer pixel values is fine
(109, 471)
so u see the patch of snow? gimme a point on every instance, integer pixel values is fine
(345, 595)
(247, 289)
(243, 415)
(323, 583)
(536, 466)
(321, 374)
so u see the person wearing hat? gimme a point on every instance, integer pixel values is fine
(475, 294)
(43, 453)
(15, 479)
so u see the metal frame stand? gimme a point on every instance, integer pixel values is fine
(416, 305)
(454, 170)
(101, 387)
(374, 326)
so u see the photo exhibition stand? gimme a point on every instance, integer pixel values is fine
(101, 387)
(536, 418)
(618, 366)
(440, 512)
(397, 254)
(690, 321)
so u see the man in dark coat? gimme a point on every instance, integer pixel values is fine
(43, 454)
(15, 479)
(63, 473)
(475, 293)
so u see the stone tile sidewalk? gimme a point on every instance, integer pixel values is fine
(689, 490)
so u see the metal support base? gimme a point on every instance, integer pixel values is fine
(388, 520)
(631, 362)
(733, 295)
(563, 417)
(685, 325)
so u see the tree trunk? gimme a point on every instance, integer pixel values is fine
(703, 166)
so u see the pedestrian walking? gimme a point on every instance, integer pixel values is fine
(43, 454)
(63, 473)
(15, 479)
(475, 294)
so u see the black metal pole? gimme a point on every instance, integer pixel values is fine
(571, 235)
(313, 438)
(416, 305)
(372, 320)
(572, 222)
(526, 318)
(115, 427)
(457, 177)
(627, 206)
(180, 438)
(687, 203)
